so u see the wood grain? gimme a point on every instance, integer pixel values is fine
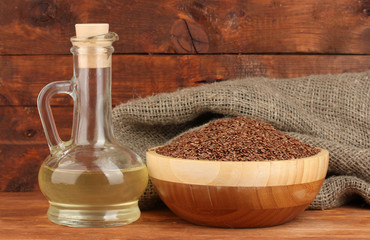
(237, 173)
(44, 27)
(156, 53)
(20, 166)
(225, 206)
(23, 216)
(135, 76)
(22, 125)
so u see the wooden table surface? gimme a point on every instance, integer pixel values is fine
(23, 216)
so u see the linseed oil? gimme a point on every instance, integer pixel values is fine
(93, 198)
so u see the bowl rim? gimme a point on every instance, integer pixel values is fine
(238, 173)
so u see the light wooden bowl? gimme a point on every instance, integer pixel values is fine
(237, 194)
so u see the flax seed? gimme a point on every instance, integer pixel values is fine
(237, 139)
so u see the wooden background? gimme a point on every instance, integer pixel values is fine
(164, 45)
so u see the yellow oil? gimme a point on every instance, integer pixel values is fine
(98, 198)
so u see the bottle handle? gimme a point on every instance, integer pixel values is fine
(43, 104)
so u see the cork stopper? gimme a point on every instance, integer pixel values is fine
(91, 29)
(87, 56)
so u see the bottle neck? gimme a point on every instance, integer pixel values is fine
(93, 105)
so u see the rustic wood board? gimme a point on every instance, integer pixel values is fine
(164, 46)
(135, 76)
(257, 26)
(20, 166)
(22, 125)
(23, 216)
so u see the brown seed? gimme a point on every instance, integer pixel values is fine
(237, 139)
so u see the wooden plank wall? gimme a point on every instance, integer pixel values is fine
(164, 45)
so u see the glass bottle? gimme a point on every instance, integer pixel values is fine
(90, 180)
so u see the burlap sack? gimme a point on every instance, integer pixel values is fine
(331, 112)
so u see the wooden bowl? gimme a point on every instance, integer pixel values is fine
(237, 194)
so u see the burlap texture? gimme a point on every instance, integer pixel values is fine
(327, 111)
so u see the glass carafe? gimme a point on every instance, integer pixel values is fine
(90, 180)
